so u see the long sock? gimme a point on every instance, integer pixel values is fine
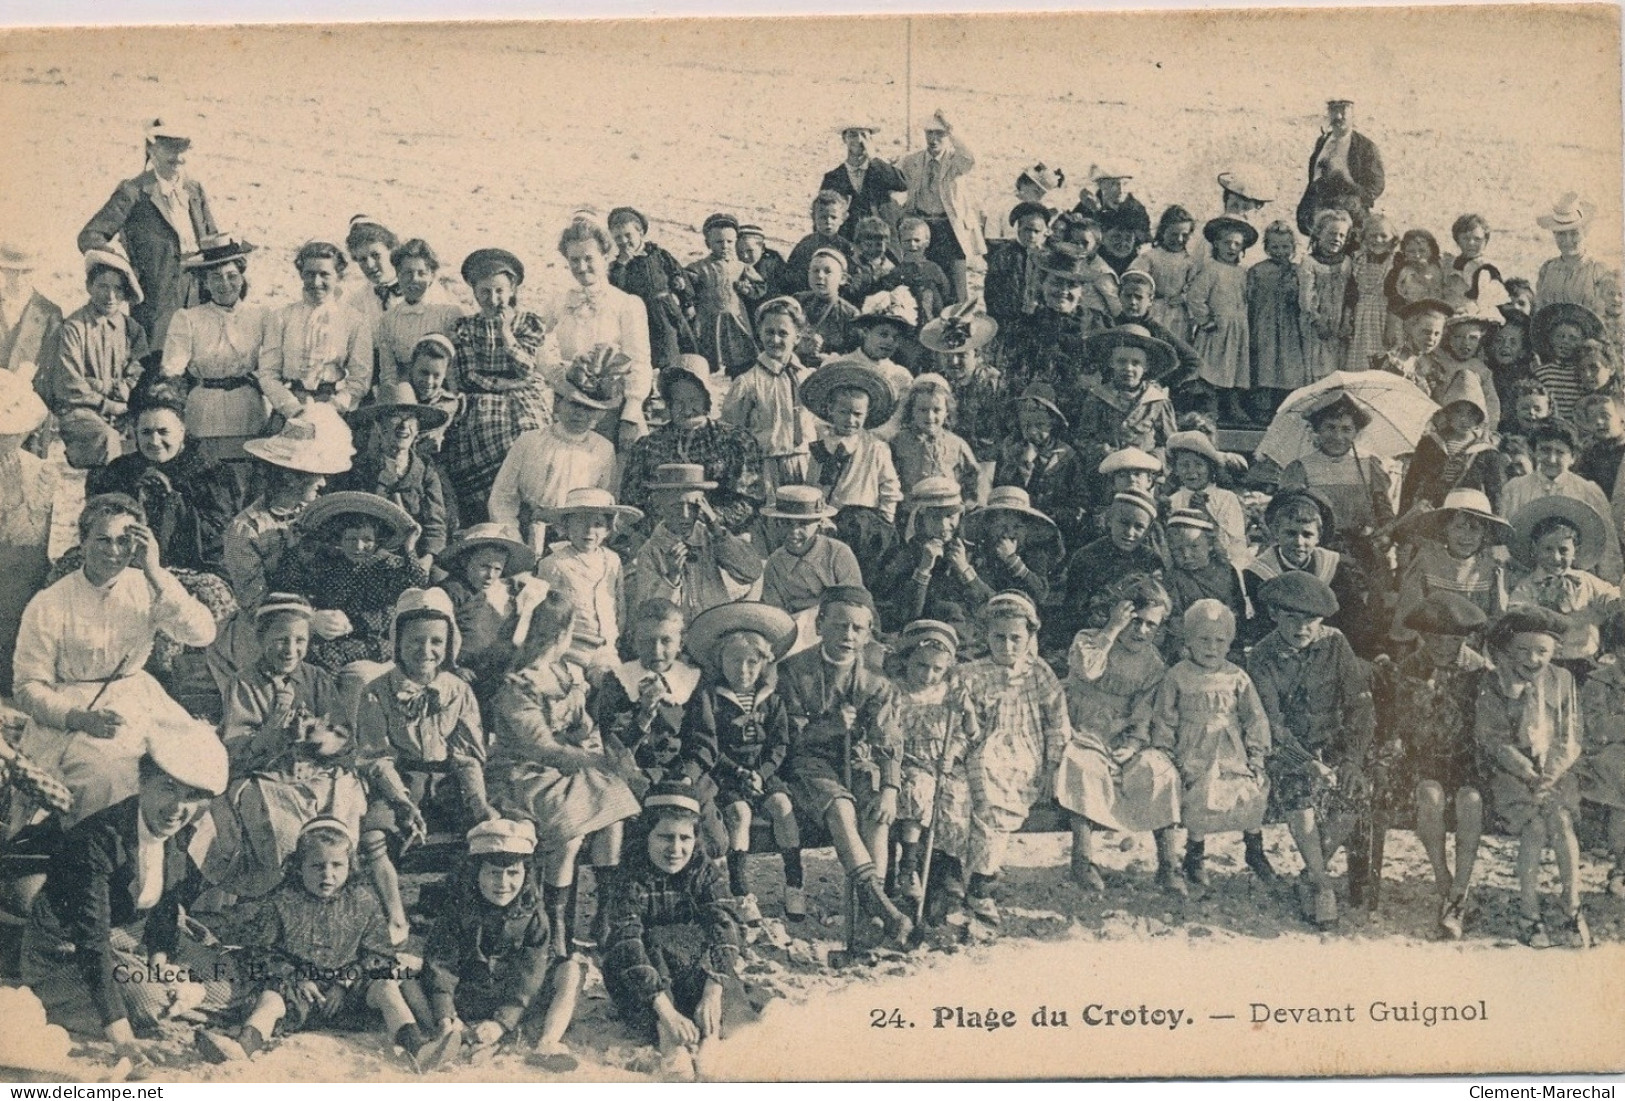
(556, 902)
(792, 867)
(909, 861)
(981, 886)
(736, 873)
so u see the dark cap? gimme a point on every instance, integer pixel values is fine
(1298, 591)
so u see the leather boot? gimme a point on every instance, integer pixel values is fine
(872, 898)
(1168, 877)
(1195, 856)
(1257, 859)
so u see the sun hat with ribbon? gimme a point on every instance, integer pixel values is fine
(106, 258)
(327, 510)
(961, 327)
(317, 441)
(1568, 212)
(596, 379)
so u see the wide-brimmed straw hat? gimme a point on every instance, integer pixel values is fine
(594, 500)
(403, 400)
(937, 491)
(484, 262)
(1568, 212)
(817, 391)
(679, 476)
(215, 250)
(1430, 523)
(395, 522)
(105, 258)
(1591, 525)
(317, 441)
(1198, 444)
(1013, 501)
(190, 751)
(491, 534)
(1160, 355)
(959, 328)
(1226, 224)
(710, 627)
(798, 504)
(1548, 318)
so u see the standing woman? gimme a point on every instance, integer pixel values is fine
(158, 217)
(216, 345)
(318, 349)
(499, 375)
(597, 313)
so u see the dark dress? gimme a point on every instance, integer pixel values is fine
(483, 962)
(904, 598)
(189, 503)
(655, 276)
(366, 593)
(339, 944)
(1427, 715)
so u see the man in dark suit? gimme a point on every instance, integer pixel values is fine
(159, 217)
(867, 181)
(1345, 170)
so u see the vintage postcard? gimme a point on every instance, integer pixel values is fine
(1022, 546)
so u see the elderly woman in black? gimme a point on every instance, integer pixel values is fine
(109, 949)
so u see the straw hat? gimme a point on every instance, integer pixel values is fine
(1013, 501)
(680, 477)
(1044, 177)
(1160, 355)
(403, 400)
(1431, 523)
(397, 523)
(1249, 181)
(1113, 168)
(1068, 261)
(959, 328)
(317, 441)
(1548, 318)
(1226, 224)
(937, 491)
(594, 500)
(215, 250)
(1568, 212)
(491, 534)
(103, 258)
(710, 627)
(799, 505)
(822, 384)
(1582, 517)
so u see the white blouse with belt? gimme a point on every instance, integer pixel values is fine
(220, 349)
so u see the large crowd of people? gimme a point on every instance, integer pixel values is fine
(945, 523)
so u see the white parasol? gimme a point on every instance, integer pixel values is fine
(1399, 412)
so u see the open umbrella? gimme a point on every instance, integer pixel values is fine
(1399, 415)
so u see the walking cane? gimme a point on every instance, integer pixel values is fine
(931, 830)
(851, 886)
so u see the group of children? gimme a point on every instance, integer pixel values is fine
(902, 575)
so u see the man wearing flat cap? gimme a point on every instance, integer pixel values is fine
(867, 181)
(1345, 170)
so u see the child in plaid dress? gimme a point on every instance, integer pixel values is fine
(938, 721)
(1021, 713)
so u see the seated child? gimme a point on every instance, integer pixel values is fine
(585, 567)
(1458, 452)
(828, 212)
(641, 703)
(1557, 538)
(1456, 550)
(358, 557)
(1109, 778)
(324, 948)
(853, 465)
(1208, 715)
(1556, 445)
(805, 561)
(100, 346)
(1013, 545)
(270, 697)
(691, 558)
(871, 266)
(1355, 485)
(432, 357)
(1126, 470)
(417, 724)
(938, 724)
(829, 331)
(844, 723)
(552, 765)
(1317, 696)
(955, 338)
(1425, 704)
(670, 937)
(1603, 417)
(489, 567)
(1198, 569)
(1197, 466)
(488, 969)
(925, 447)
(391, 466)
(1602, 761)
(1021, 716)
(1298, 522)
(764, 400)
(1096, 566)
(1528, 723)
(736, 733)
(1122, 408)
(932, 563)
(1037, 458)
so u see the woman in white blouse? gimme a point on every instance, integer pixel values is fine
(597, 313)
(82, 648)
(217, 345)
(320, 348)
